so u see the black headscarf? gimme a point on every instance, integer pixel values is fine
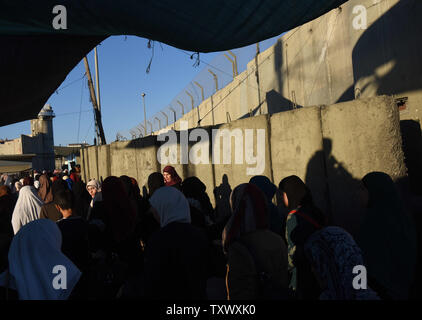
(58, 185)
(388, 237)
(194, 188)
(299, 194)
(82, 198)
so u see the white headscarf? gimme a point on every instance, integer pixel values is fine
(18, 186)
(27, 209)
(171, 206)
(34, 252)
(94, 183)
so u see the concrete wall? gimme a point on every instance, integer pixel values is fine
(359, 137)
(331, 148)
(296, 149)
(11, 147)
(327, 61)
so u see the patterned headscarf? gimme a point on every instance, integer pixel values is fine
(333, 254)
(250, 213)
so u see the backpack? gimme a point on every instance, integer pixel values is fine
(268, 289)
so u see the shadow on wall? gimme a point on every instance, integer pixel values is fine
(412, 149)
(333, 188)
(386, 58)
(222, 198)
(390, 46)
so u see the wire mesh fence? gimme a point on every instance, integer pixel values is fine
(213, 76)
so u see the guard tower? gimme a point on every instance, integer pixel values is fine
(42, 128)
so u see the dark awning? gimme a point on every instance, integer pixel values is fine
(35, 58)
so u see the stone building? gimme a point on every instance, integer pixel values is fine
(39, 145)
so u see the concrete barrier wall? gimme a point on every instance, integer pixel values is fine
(359, 137)
(331, 148)
(296, 149)
(123, 158)
(104, 169)
(238, 173)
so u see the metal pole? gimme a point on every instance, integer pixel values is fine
(140, 131)
(191, 98)
(167, 118)
(174, 113)
(215, 79)
(235, 61)
(202, 89)
(150, 125)
(159, 123)
(145, 113)
(97, 78)
(232, 61)
(183, 108)
(98, 123)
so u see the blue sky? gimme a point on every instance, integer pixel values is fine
(122, 64)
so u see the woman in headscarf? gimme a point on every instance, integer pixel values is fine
(176, 256)
(277, 217)
(27, 209)
(94, 189)
(387, 238)
(28, 181)
(36, 184)
(34, 255)
(75, 177)
(16, 190)
(304, 218)
(7, 180)
(155, 181)
(119, 218)
(202, 212)
(171, 178)
(253, 251)
(45, 192)
(49, 210)
(7, 204)
(120, 214)
(132, 190)
(333, 255)
(18, 186)
(68, 181)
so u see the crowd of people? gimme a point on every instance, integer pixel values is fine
(170, 242)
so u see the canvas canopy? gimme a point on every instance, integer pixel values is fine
(35, 57)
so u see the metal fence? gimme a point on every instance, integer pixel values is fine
(213, 75)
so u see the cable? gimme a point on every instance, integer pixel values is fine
(88, 130)
(69, 84)
(69, 113)
(80, 111)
